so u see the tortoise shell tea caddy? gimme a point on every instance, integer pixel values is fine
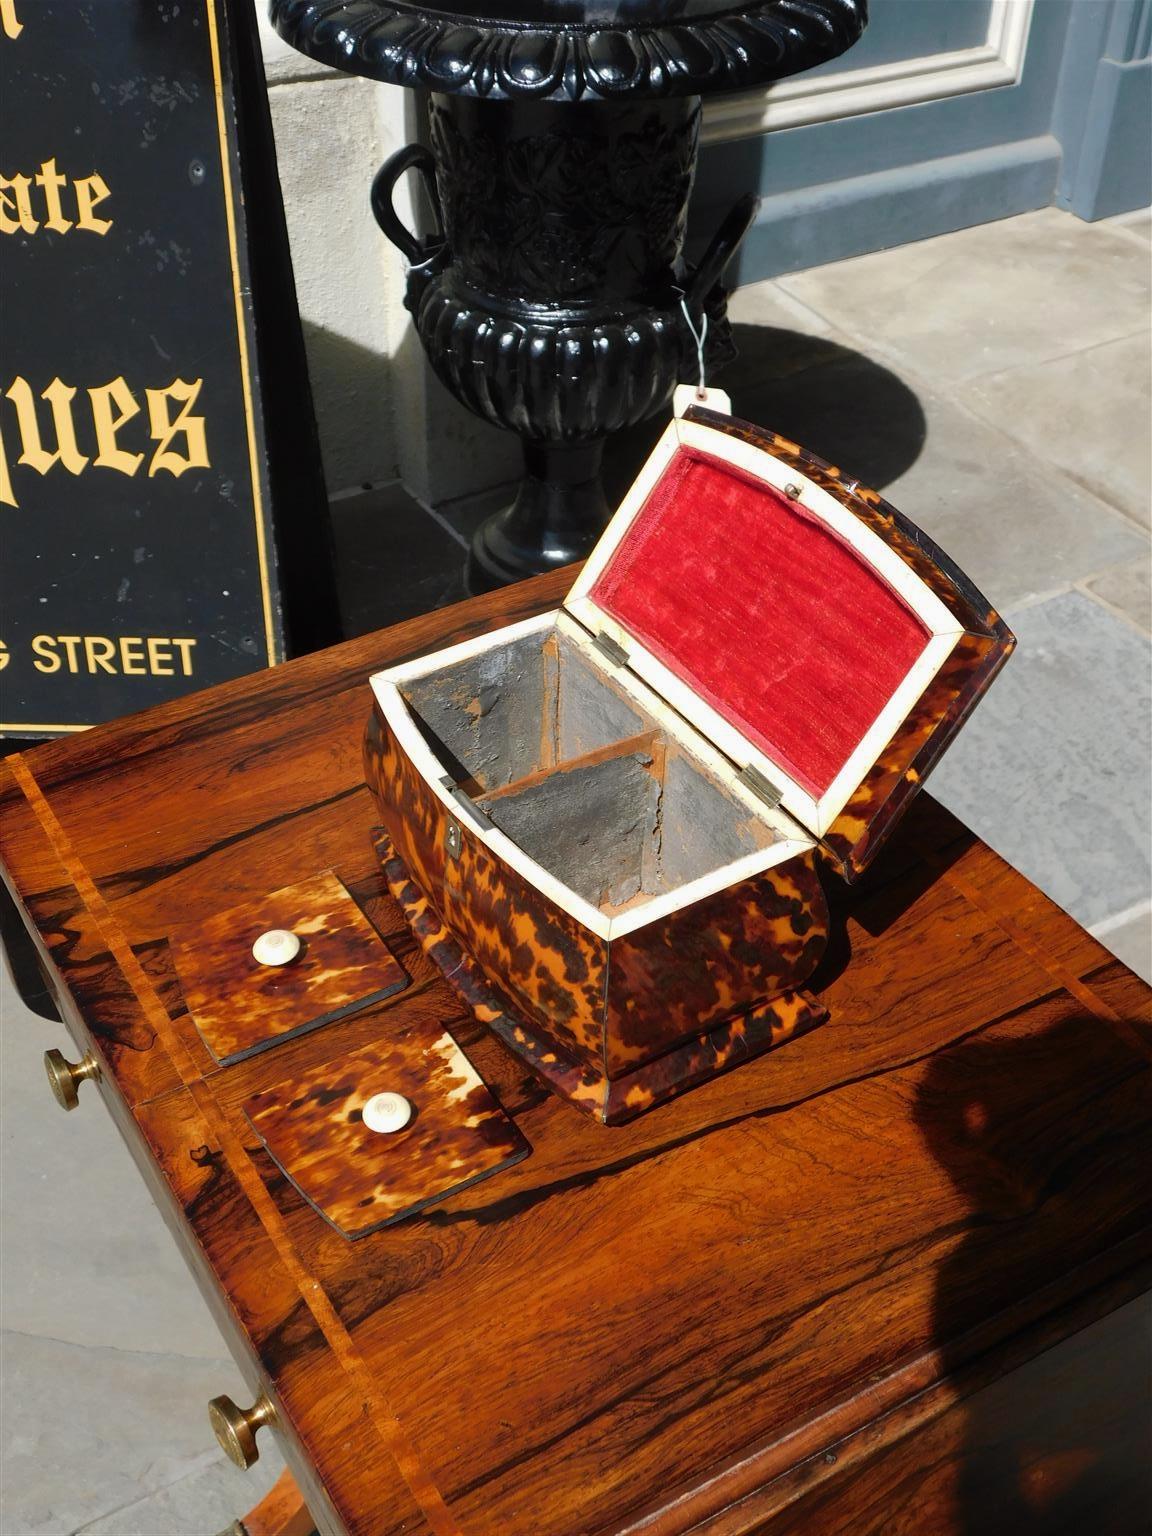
(610, 824)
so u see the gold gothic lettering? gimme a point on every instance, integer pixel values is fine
(10, 23)
(180, 437)
(33, 452)
(51, 181)
(112, 406)
(22, 212)
(16, 206)
(91, 190)
(164, 429)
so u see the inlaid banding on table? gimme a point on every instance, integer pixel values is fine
(241, 1006)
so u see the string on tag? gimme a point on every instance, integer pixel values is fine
(698, 336)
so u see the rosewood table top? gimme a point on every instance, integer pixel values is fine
(686, 1323)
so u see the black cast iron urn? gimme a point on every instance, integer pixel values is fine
(553, 300)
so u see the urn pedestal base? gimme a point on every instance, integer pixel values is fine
(559, 512)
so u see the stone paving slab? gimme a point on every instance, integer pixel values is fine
(109, 1355)
(1127, 589)
(1001, 295)
(1054, 769)
(394, 559)
(91, 1433)
(1137, 224)
(995, 500)
(1086, 414)
(85, 1256)
(1130, 939)
(1018, 529)
(206, 1502)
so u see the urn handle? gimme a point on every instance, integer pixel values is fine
(413, 157)
(724, 245)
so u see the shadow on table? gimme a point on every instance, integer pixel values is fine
(1024, 1126)
(896, 880)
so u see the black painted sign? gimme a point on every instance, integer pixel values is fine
(139, 555)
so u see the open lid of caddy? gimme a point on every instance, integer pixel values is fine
(813, 634)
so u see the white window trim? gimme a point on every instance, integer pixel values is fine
(998, 61)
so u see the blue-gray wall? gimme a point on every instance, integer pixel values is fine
(1070, 125)
(1104, 109)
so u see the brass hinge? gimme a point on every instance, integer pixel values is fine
(615, 653)
(761, 786)
(469, 807)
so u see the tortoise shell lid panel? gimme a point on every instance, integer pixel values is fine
(241, 1007)
(774, 620)
(318, 1128)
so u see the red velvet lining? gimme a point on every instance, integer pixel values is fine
(777, 623)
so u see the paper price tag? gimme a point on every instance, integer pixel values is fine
(685, 395)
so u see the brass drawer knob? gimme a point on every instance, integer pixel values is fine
(65, 1077)
(235, 1428)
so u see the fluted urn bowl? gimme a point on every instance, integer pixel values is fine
(553, 299)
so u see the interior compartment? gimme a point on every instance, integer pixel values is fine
(579, 774)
